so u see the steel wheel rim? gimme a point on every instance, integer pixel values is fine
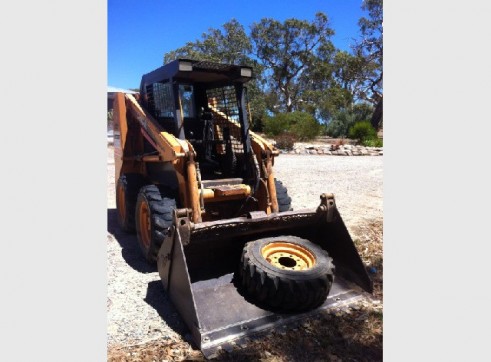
(288, 256)
(144, 220)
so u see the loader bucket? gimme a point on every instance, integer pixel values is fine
(197, 262)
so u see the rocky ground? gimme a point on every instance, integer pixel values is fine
(144, 326)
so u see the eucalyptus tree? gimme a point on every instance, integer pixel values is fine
(370, 50)
(287, 50)
(327, 83)
(229, 45)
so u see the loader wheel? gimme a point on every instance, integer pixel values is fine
(284, 201)
(154, 209)
(126, 193)
(287, 273)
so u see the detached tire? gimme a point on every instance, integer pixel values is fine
(284, 201)
(127, 189)
(154, 213)
(286, 273)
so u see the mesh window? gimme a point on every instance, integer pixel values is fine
(160, 99)
(223, 102)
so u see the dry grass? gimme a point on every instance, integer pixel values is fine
(370, 247)
(154, 351)
(345, 334)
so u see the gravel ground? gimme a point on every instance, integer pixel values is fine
(138, 311)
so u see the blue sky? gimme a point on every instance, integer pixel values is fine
(141, 32)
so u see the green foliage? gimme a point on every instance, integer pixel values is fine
(374, 142)
(326, 102)
(230, 45)
(301, 124)
(341, 122)
(370, 51)
(257, 105)
(336, 129)
(362, 111)
(298, 68)
(233, 46)
(287, 49)
(331, 81)
(344, 119)
(274, 126)
(304, 126)
(362, 131)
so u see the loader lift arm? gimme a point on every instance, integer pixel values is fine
(170, 149)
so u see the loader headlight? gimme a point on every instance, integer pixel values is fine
(185, 66)
(245, 72)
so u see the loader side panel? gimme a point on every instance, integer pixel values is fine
(335, 238)
(179, 288)
(128, 139)
(120, 131)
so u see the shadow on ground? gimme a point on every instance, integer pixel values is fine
(130, 250)
(156, 297)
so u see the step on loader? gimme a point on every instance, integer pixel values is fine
(198, 188)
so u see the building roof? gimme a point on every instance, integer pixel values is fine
(115, 90)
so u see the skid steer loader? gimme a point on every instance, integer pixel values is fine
(198, 188)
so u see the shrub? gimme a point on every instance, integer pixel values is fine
(336, 128)
(375, 142)
(274, 126)
(303, 125)
(344, 119)
(340, 124)
(362, 131)
(285, 141)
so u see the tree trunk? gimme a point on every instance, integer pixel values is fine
(377, 116)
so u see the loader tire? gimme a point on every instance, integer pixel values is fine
(127, 189)
(284, 201)
(286, 273)
(154, 215)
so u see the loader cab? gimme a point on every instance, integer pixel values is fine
(204, 103)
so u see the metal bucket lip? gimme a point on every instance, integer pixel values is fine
(284, 216)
